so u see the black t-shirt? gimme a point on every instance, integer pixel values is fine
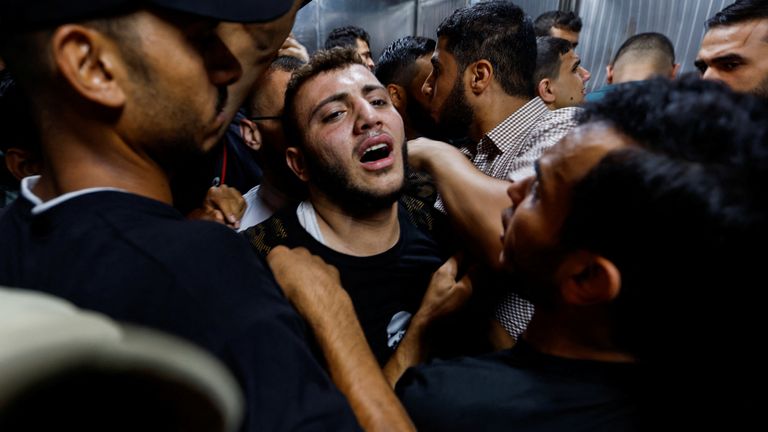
(386, 289)
(138, 260)
(521, 390)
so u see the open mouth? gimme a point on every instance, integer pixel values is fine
(375, 153)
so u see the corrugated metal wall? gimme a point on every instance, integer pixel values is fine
(607, 23)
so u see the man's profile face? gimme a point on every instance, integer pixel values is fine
(737, 55)
(541, 203)
(353, 138)
(417, 105)
(444, 87)
(570, 36)
(268, 101)
(365, 53)
(175, 101)
(569, 87)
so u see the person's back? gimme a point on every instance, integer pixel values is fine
(97, 227)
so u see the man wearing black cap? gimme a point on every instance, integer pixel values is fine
(122, 94)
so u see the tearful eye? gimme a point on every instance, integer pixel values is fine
(332, 116)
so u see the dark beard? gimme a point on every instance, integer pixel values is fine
(457, 115)
(761, 90)
(334, 183)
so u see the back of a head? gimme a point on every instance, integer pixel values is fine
(738, 12)
(548, 52)
(558, 19)
(397, 61)
(346, 37)
(651, 52)
(497, 31)
(684, 217)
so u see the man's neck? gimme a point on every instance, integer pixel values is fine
(490, 111)
(367, 235)
(72, 163)
(580, 335)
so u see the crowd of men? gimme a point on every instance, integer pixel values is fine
(360, 281)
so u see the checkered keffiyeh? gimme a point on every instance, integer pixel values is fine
(508, 151)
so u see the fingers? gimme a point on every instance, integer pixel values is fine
(228, 201)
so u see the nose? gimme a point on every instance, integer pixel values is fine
(710, 74)
(223, 68)
(518, 190)
(368, 117)
(369, 63)
(585, 75)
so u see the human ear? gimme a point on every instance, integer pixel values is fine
(251, 134)
(397, 95)
(609, 74)
(585, 278)
(481, 76)
(675, 70)
(89, 62)
(295, 160)
(545, 91)
(21, 163)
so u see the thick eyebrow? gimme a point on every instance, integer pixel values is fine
(576, 65)
(372, 87)
(701, 65)
(727, 58)
(333, 98)
(368, 88)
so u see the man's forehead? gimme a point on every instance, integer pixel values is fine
(721, 40)
(350, 79)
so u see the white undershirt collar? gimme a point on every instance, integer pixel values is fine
(28, 183)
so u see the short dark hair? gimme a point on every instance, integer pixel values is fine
(739, 11)
(559, 19)
(397, 62)
(286, 63)
(22, 50)
(497, 31)
(548, 52)
(323, 61)
(346, 37)
(684, 217)
(654, 44)
(281, 63)
(682, 213)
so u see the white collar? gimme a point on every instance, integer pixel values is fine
(27, 183)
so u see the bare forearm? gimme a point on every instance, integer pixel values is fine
(356, 373)
(474, 201)
(410, 352)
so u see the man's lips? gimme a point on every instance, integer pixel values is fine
(377, 143)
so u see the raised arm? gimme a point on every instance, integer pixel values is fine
(444, 296)
(313, 287)
(474, 201)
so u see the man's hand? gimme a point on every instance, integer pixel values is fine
(445, 294)
(222, 204)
